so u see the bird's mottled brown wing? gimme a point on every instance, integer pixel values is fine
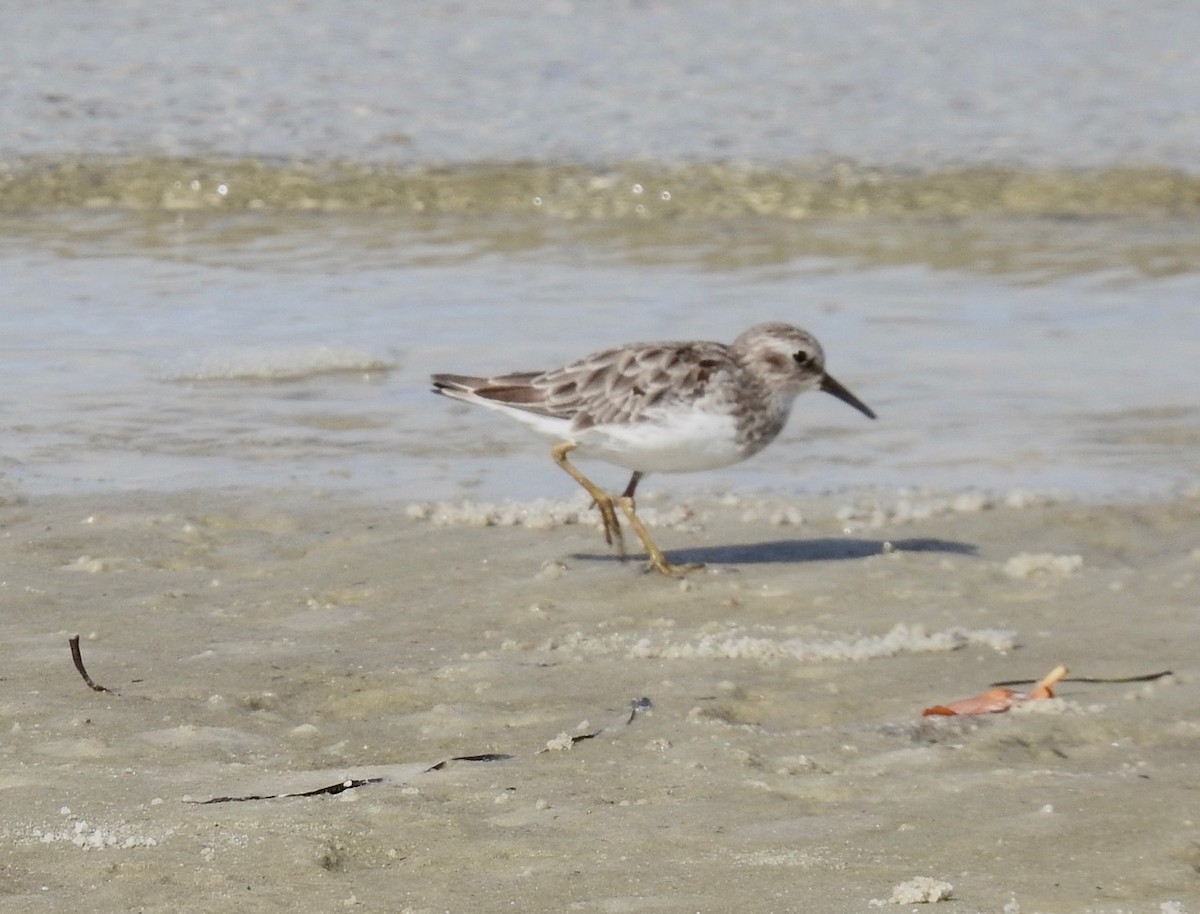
(617, 385)
(620, 385)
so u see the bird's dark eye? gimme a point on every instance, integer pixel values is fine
(801, 357)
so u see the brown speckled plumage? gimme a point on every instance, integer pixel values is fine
(662, 407)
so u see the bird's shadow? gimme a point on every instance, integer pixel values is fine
(825, 549)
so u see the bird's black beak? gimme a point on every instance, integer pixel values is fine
(830, 386)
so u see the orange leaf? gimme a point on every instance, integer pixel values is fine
(988, 703)
(998, 700)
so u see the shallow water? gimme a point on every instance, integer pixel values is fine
(167, 351)
(236, 239)
(1081, 84)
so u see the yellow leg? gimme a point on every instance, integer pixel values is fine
(604, 502)
(658, 561)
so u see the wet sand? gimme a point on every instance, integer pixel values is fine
(261, 642)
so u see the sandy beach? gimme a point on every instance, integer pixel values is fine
(752, 735)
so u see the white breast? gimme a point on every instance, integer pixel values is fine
(671, 442)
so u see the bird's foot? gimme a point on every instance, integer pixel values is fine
(657, 561)
(663, 567)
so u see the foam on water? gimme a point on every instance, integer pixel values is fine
(294, 363)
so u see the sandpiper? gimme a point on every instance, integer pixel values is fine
(671, 407)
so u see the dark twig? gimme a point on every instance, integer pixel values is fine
(331, 790)
(636, 707)
(77, 657)
(1148, 677)
(484, 757)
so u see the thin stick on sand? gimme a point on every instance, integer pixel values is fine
(1147, 677)
(77, 657)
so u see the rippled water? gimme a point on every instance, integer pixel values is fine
(901, 82)
(262, 349)
(235, 240)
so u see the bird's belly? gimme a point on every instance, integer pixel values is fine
(680, 443)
